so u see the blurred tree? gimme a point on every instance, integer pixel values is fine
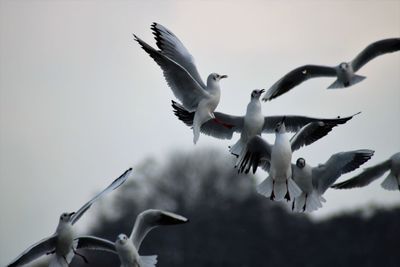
(231, 225)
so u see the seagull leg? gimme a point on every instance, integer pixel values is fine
(80, 255)
(287, 196)
(305, 203)
(272, 197)
(293, 204)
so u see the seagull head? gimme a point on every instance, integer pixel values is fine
(301, 163)
(66, 217)
(215, 77)
(257, 93)
(122, 239)
(344, 66)
(280, 126)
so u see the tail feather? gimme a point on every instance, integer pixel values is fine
(339, 84)
(294, 189)
(265, 187)
(313, 202)
(237, 148)
(391, 183)
(148, 261)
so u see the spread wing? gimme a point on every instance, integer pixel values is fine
(338, 164)
(296, 77)
(149, 219)
(173, 48)
(223, 127)
(95, 243)
(310, 133)
(181, 82)
(257, 152)
(295, 123)
(44, 246)
(366, 177)
(114, 185)
(375, 49)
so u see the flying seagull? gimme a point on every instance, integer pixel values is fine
(128, 248)
(183, 78)
(345, 72)
(253, 123)
(391, 182)
(314, 181)
(276, 158)
(61, 244)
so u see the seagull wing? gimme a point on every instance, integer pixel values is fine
(296, 77)
(310, 133)
(44, 246)
(295, 123)
(257, 151)
(181, 82)
(95, 243)
(338, 164)
(223, 127)
(375, 49)
(174, 49)
(366, 177)
(114, 185)
(150, 219)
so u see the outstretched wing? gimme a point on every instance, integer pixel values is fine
(295, 123)
(310, 133)
(222, 127)
(375, 49)
(173, 48)
(182, 84)
(44, 246)
(150, 219)
(366, 177)
(257, 151)
(95, 243)
(338, 164)
(114, 185)
(296, 77)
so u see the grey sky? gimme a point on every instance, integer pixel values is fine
(80, 102)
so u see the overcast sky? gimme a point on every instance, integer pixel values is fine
(80, 102)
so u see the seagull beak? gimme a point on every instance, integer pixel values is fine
(223, 76)
(262, 91)
(283, 119)
(71, 214)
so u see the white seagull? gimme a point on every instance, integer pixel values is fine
(314, 181)
(252, 124)
(183, 78)
(128, 248)
(345, 72)
(391, 182)
(61, 243)
(276, 158)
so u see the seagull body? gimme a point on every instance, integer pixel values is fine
(62, 243)
(276, 158)
(314, 181)
(253, 122)
(183, 78)
(345, 72)
(224, 125)
(391, 182)
(127, 248)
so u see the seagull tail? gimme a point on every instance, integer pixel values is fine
(237, 148)
(391, 183)
(307, 202)
(339, 84)
(293, 188)
(148, 261)
(266, 187)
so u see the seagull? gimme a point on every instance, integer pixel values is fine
(127, 248)
(276, 158)
(314, 181)
(61, 243)
(183, 78)
(344, 72)
(252, 124)
(391, 182)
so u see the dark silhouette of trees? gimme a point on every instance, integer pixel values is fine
(231, 225)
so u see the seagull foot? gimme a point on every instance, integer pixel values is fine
(80, 255)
